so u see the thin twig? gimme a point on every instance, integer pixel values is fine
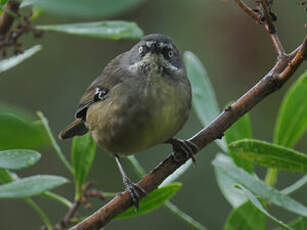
(248, 10)
(268, 24)
(277, 44)
(71, 212)
(271, 28)
(266, 11)
(73, 208)
(7, 17)
(268, 84)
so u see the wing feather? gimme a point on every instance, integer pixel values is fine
(110, 77)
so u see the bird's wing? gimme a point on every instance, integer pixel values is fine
(99, 89)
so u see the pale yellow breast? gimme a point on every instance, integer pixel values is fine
(137, 116)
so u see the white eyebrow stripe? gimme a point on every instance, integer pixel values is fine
(166, 64)
(162, 45)
(149, 43)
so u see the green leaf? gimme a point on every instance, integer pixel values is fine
(244, 217)
(152, 201)
(258, 204)
(298, 224)
(204, 100)
(103, 29)
(9, 63)
(256, 186)
(2, 2)
(270, 155)
(6, 176)
(84, 8)
(19, 131)
(297, 185)
(226, 184)
(178, 172)
(83, 153)
(18, 158)
(207, 109)
(30, 186)
(240, 130)
(292, 119)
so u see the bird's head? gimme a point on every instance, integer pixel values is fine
(155, 52)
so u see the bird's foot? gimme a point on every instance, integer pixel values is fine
(186, 147)
(136, 191)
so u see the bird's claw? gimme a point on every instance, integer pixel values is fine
(185, 146)
(135, 191)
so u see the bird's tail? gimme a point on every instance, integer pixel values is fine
(76, 128)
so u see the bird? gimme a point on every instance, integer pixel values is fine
(141, 99)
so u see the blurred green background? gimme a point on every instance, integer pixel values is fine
(236, 52)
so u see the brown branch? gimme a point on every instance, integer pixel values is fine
(10, 9)
(294, 52)
(271, 82)
(300, 56)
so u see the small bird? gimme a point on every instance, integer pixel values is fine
(141, 99)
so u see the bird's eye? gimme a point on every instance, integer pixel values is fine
(141, 49)
(170, 53)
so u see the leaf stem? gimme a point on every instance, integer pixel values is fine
(109, 194)
(271, 176)
(54, 143)
(40, 212)
(61, 199)
(297, 185)
(174, 209)
(137, 166)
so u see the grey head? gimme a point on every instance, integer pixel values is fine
(158, 50)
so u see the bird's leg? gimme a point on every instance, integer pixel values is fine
(184, 146)
(134, 190)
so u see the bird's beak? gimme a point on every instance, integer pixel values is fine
(153, 47)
